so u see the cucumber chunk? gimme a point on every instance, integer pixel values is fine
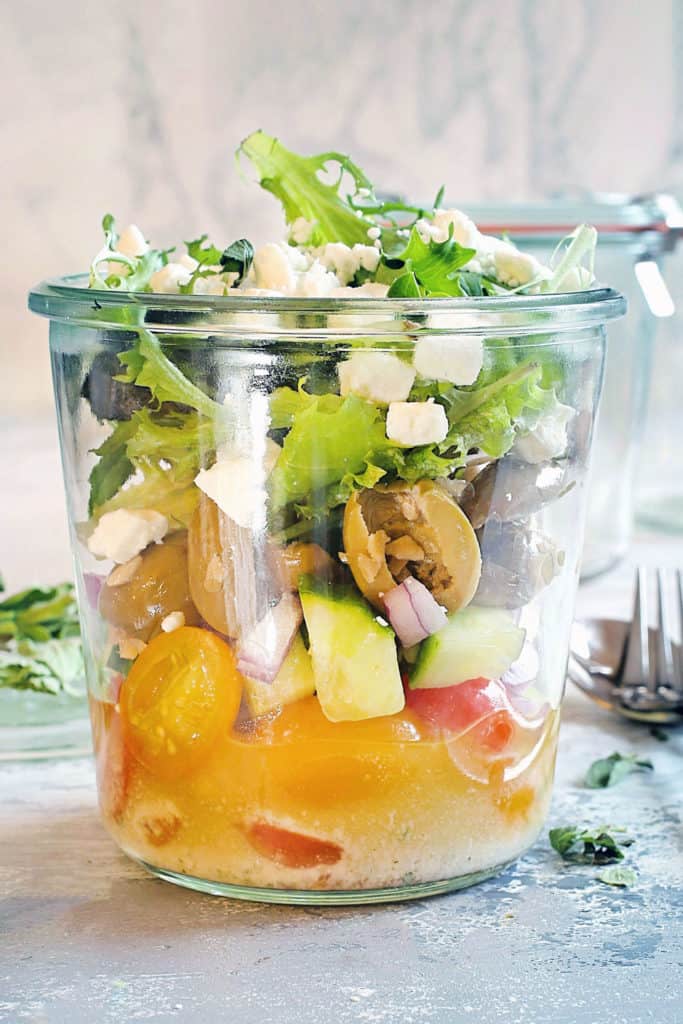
(355, 664)
(475, 643)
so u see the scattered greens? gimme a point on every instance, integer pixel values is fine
(619, 876)
(40, 647)
(609, 771)
(601, 845)
(133, 273)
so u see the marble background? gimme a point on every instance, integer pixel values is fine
(136, 108)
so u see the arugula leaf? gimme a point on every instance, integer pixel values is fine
(147, 366)
(405, 287)
(113, 467)
(589, 846)
(618, 875)
(435, 264)
(330, 437)
(609, 771)
(238, 258)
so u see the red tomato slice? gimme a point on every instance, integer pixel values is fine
(292, 849)
(458, 708)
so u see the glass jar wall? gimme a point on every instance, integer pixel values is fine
(325, 592)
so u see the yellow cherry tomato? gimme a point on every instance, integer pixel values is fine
(181, 695)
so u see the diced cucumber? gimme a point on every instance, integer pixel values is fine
(355, 664)
(293, 682)
(475, 643)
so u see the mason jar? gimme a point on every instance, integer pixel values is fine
(346, 687)
(636, 235)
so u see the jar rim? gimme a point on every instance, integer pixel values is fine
(68, 299)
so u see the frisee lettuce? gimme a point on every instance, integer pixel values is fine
(331, 439)
(165, 449)
(298, 183)
(146, 365)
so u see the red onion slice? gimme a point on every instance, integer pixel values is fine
(93, 585)
(261, 652)
(413, 612)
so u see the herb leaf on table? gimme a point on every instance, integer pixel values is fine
(40, 646)
(609, 771)
(601, 845)
(619, 876)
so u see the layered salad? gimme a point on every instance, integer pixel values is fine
(317, 567)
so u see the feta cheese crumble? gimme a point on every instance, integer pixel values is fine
(416, 423)
(548, 437)
(124, 533)
(236, 483)
(457, 359)
(376, 376)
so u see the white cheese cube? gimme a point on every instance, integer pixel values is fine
(415, 423)
(168, 280)
(122, 534)
(376, 376)
(548, 438)
(236, 484)
(457, 359)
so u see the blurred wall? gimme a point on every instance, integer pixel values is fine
(135, 108)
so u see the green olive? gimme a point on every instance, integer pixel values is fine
(137, 596)
(397, 530)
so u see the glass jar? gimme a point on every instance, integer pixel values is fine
(635, 235)
(319, 672)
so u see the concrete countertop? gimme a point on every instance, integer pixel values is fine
(85, 935)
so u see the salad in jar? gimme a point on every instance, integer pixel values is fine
(328, 552)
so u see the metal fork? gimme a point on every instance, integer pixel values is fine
(650, 677)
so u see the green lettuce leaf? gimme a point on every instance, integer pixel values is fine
(165, 449)
(330, 438)
(295, 181)
(147, 366)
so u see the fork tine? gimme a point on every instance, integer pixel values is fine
(677, 678)
(664, 653)
(637, 663)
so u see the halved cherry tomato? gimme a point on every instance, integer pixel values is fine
(479, 706)
(181, 694)
(292, 849)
